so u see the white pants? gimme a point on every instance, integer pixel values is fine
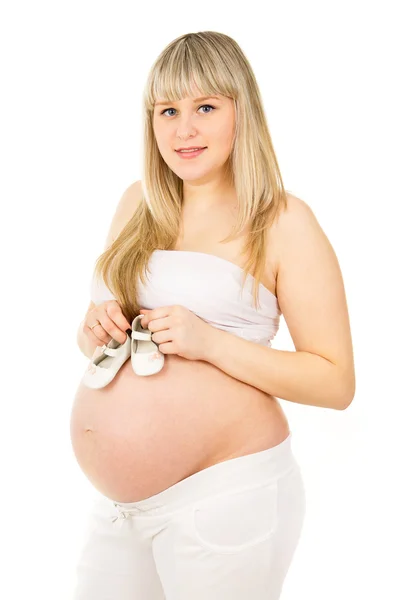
(227, 532)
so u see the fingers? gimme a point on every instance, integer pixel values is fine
(112, 324)
(90, 333)
(115, 313)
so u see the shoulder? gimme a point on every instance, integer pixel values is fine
(129, 201)
(132, 195)
(311, 294)
(296, 211)
(124, 211)
(294, 223)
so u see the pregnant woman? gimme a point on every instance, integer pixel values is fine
(200, 494)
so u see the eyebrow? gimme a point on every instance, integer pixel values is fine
(195, 100)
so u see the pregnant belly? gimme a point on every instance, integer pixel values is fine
(140, 435)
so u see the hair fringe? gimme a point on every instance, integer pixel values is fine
(214, 63)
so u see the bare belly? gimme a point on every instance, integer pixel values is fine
(140, 435)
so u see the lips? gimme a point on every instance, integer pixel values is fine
(190, 154)
(192, 148)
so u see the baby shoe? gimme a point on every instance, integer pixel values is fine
(146, 358)
(103, 368)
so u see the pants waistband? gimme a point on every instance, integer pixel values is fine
(258, 468)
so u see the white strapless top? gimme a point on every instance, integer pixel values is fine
(210, 287)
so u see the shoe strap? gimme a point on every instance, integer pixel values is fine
(108, 351)
(111, 351)
(138, 335)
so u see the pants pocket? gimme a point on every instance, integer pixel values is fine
(235, 520)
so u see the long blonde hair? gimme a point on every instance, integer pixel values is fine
(214, 63)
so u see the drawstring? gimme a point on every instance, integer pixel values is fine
(122, 514)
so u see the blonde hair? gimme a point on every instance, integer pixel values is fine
(215, 64)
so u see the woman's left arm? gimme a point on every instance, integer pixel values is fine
(312, 299)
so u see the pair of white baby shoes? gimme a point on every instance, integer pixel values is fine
(146, 358)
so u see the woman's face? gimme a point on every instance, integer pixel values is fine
(194, 122)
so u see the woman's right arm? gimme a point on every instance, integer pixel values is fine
(86, 346)
(124, 212)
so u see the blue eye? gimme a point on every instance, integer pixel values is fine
(209, 105)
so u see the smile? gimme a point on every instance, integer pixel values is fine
(191, 153)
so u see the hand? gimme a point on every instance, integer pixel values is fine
(179, 331)
(112, 323)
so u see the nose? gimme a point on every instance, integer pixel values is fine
(185, 129)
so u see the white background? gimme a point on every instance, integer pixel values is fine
(72, 75)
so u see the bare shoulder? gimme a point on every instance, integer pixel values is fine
(297, 234)
(277, 234)
(311, 292)
(296, 216)
(125, 209)
(132, 195)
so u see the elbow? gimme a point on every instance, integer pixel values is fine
(348, 394)
(345, 404)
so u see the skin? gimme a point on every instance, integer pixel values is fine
(195, 413)
(193, 123)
